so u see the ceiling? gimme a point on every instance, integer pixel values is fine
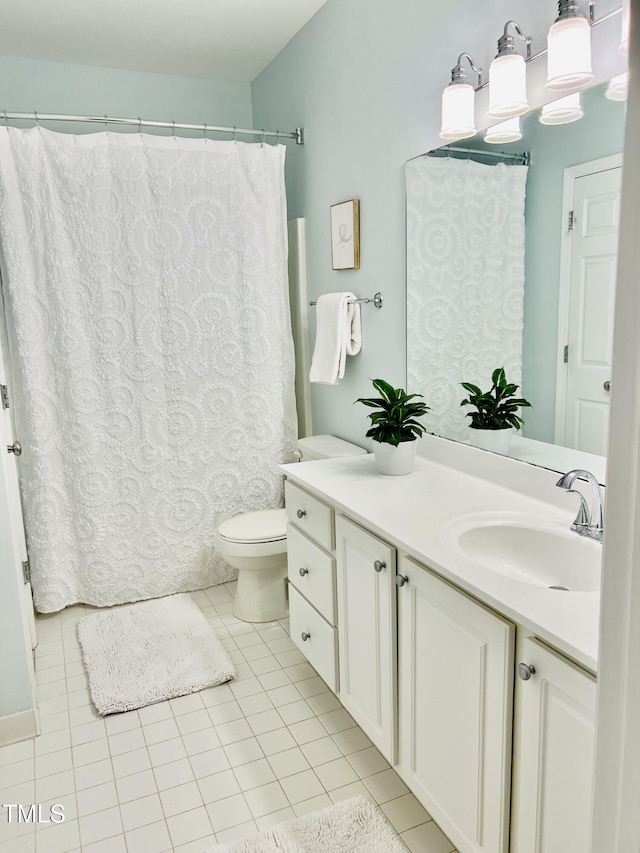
(226, 40)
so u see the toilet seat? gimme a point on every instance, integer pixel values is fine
(267, 525)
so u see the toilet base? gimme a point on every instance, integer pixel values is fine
(261, 594)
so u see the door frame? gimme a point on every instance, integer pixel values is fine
(571, 175)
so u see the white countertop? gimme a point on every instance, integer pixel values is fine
(411, 513)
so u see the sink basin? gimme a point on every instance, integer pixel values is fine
(536, 550)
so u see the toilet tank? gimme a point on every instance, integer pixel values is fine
(326, 447)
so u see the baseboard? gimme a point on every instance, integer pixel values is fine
(17, 727)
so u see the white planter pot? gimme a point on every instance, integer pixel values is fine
(496, 440)
(395, 460)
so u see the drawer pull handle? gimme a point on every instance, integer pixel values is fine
(525, 671)
(379, 565)
(305, 636)
(401, 580)
(303, 572)
(301, 513)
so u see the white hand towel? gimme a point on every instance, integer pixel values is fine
(338, 334)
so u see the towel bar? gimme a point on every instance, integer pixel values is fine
(377, 300)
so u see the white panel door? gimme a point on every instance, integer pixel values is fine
(554, 750)
(367, 632)
(455, 691)
(594, 252)
(9, 476)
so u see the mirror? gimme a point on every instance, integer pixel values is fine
(511, 258)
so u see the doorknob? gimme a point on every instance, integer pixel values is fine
(401, 580)
(607, 385)
(15, 448)
(525, 671)
(379, 566)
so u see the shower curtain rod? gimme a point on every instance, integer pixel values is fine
(297, 134)
(524, 158)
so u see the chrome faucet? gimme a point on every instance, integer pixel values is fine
(589, 521)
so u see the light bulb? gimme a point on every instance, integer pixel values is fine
(508, 86)
(569, 54)
(562, 111)
(458, 112)
(505, 131)
(618, 88)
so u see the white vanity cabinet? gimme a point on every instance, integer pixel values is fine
(311, 572)
(455, 689)
(366, 594)
(554, 742)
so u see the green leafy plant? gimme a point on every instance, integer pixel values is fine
(498, 407)
(396, 417)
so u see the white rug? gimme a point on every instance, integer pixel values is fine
(353, 826)
(146, 652)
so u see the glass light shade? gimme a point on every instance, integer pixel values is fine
(563, 110)
(624, 39)
(618, 88)
(569, 55)
(508, 86)
(505, 131)
(458, 112)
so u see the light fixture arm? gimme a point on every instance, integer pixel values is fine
(458, 74)
(507, 42)
(571, 9)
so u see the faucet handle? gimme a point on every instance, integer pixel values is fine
(583, 518)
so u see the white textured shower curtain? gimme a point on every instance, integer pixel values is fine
(465, 281)
(146, 300)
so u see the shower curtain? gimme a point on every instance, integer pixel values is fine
(465, 280)
(146, 303)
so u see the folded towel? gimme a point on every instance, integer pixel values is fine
(338, 334)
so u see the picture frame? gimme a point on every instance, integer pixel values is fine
(345, 235)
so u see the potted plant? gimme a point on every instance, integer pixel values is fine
(394, 427)
(496, 414)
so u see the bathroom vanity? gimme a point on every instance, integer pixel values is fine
(430, 605)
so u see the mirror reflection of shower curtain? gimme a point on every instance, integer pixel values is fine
(146, 301)
(465, 281)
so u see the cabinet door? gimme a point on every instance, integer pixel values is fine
(554, 752)
(455, 685)
(367, 632)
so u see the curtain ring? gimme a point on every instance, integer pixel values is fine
(139, 125)
(277, 137)
(174, 129)
(264, 133)
(106, 126)
(6, 119)
(204, 133)
(235, 135)
(37, 121)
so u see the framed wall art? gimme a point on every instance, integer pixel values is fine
(345, 235)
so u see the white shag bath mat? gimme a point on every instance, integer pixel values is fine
(146, 652)
(353, 826)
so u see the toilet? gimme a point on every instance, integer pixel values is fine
(255, 543)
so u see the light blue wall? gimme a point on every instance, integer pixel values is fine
(365, 78)
(599, 133)
(57, 87)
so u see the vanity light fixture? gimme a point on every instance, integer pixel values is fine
(562, 110)
(569, 48)
(508, 76)
(624, 39)
(458, 103)
(504, 131)
(618, 87)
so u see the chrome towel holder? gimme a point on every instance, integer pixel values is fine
(377, 300)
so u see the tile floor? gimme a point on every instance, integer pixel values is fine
(205, 768)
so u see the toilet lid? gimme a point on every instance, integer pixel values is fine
(267, 525)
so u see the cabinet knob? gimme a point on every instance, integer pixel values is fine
(401, 580)
(379, 565)
(302, 571)
(305, 636)
(301, 513)
(525, 671)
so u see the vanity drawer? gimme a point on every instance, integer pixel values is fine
(320, 647)
(309, 514)
(312, 571)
